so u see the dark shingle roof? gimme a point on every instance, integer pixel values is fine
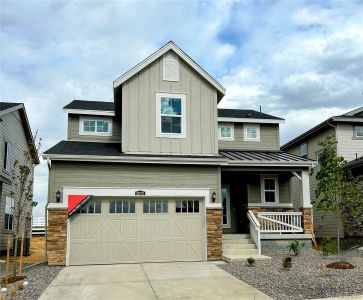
(244, 113)
(7, 105)
(85, 148)
(90, 105)
(355, 163)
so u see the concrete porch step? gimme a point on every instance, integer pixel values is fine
(239, 246)
(239, 251)
(243, 258)
(236, 241)
(235, 236)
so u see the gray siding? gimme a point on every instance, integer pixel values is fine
(139, 112)
(11, 131)
(324, 223)
(348, 145)
(269, 139)
(73, 130)
(131, 176)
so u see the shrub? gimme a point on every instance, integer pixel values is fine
(287, 263)
(251, 262)
(20, 286)
(296, 247)
(2, 283)
(12, 293)
(328, 246)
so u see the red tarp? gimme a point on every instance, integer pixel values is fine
(74, 200)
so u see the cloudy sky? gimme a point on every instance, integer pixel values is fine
(300, 60)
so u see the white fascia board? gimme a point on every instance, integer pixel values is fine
(159, 53)
(345, 119)
(14, 108)
(249, 120)
(141, 160)
(271, 164)
(89, 112)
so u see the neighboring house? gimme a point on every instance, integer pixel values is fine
(347, 130)
(161, 174)
(15, 138)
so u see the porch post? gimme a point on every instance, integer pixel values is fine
(306, 207)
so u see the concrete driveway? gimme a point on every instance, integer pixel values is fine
(194, 280)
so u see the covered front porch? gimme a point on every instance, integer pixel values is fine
(266, 197)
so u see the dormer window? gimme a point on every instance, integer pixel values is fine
(170, 109)
(95, 126)
(226, 132)
(252, 132)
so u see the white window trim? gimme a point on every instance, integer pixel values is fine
(306, 146)
(12, 207)
(82, 132)
(228, 225)
(158, 116)
(220, 132)
(171, 59)
(262, 187)
(245, 138)
(356, 132)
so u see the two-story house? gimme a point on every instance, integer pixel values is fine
(161, 174)
(347, 130)
(15, 138)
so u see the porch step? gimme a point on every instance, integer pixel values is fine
(236, 241)
(239, 251)
(235, 236)
(243, 258)
(247, 245)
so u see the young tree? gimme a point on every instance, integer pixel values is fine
(337, 190)
(22, 179)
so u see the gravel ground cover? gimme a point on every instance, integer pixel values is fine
(308, 277)
(39, 277)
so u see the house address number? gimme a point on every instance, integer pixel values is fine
(140, 193)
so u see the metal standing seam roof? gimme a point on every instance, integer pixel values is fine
(263, 157)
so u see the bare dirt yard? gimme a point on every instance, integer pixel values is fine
(308, 277)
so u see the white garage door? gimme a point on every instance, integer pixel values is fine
(147, 230)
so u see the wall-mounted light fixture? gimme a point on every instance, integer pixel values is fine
(214, 197)
(58, 196)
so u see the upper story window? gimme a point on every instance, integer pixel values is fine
(304, 149)
(170, 115)
(252, 132)
(9, 213)
(358, 132)
(95, 126)
(226, 132)
(7, 156)
(269, 189)
(170, 67)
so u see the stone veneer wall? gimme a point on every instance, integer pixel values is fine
(57, 237)
(214, 233)
(353, 225)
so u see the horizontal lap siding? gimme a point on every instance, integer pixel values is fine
(11, 131)
(269, 139)
(131, 176)
(73, 130)
(139, 114)
(348, 146)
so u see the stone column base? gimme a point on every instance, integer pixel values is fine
(214, 233)
(57, 237)
(307, 221)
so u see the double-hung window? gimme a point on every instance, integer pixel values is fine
(269, 189)
(226, 132)
(90, 126)
(7, 156)
(252, 132)
(9, 213)
(358, 132)
(170, 115)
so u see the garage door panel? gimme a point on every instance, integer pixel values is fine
(108, 238)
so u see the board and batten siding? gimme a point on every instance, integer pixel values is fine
(139, 114)
(348, 146)
(78, 174)
(269, 138)
(325, 223)
(73, 130)
(11, 131)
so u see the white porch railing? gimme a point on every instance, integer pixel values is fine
(255, 230)
(280, 222)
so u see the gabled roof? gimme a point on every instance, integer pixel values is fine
(157, 54)
(8, 107)
(354, 116)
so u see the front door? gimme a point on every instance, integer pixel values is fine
(226, 204)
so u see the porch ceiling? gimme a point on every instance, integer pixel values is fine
(264, 158)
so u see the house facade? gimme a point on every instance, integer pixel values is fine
(347, 130)
(162, 174)
(15, 138)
